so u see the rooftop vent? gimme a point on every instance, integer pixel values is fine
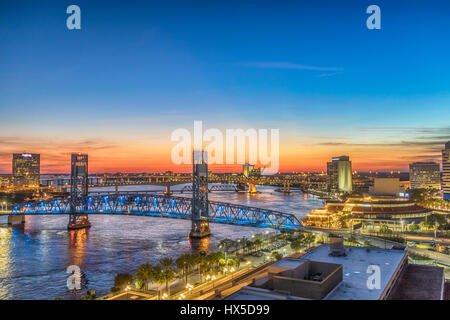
(337, 247)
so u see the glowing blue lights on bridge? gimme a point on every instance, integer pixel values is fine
(164, 206)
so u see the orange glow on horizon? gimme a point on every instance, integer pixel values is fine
(143, 156)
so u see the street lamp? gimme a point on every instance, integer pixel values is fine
(189, 287)
(232, 270)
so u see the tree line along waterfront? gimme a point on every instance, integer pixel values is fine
(175, 278)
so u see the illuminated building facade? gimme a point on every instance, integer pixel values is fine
(339, 172)
(424, 175)
(446, 171)
(26, 170)
(247, 169)
(369, 211)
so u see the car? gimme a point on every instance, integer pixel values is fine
(411, 244)
(424, 246)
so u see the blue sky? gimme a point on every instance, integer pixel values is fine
(139, 69)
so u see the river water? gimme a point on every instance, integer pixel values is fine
(34, 258)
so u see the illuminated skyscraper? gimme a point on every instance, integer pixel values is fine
(425, 175)
(26, 170)
(339, 172)
(247, 169)
(446, 171)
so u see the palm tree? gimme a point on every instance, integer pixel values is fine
(225, 245)
(168, 272)
(222, 263)
(237, 262)
(191, 262)
(296, 245)
(209, 262)
(212, 260)
(199, 260)
(122, 280)
(248, 245)
(308, 239)
(168, 275)
(183, 265)
(230, 262)
(258, 243)
(144, 273)
(157, 277)
(217, 256)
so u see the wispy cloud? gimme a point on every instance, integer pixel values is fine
(326, 75)
(442, 130)
(290, 65)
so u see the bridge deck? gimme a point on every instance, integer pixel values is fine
(156, 205)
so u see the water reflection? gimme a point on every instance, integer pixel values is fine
(197, 245)
(5, 261)
(78, 242)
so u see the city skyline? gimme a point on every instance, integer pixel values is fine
(330, 85)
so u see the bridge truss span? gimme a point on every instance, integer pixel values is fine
(223, 212)
(163, 206)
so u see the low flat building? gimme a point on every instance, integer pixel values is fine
(385, 187)
(420, 282)
(320, 274)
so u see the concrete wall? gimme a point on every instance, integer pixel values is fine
(16, 219)
(386, 187)
(292, 281)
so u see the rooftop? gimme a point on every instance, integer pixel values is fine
(355, 264)
(417, 277)
(291, 263)
(252, 293)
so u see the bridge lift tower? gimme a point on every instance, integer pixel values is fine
(78, 191)
(200, 225)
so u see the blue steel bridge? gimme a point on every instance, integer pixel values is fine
(154, 205)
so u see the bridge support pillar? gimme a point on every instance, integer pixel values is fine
(78, 221)
(78, 192)
(199, 215)
(252, 188)
(167, 192)
(15, 219)
(286, 187)
(199, 229)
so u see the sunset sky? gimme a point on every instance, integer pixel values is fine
(138, 70)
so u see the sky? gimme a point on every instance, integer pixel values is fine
(138, 70)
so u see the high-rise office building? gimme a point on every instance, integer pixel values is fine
(26, 170)
(247, 169)
(425, 175)
(446, 171)
(339, 172)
